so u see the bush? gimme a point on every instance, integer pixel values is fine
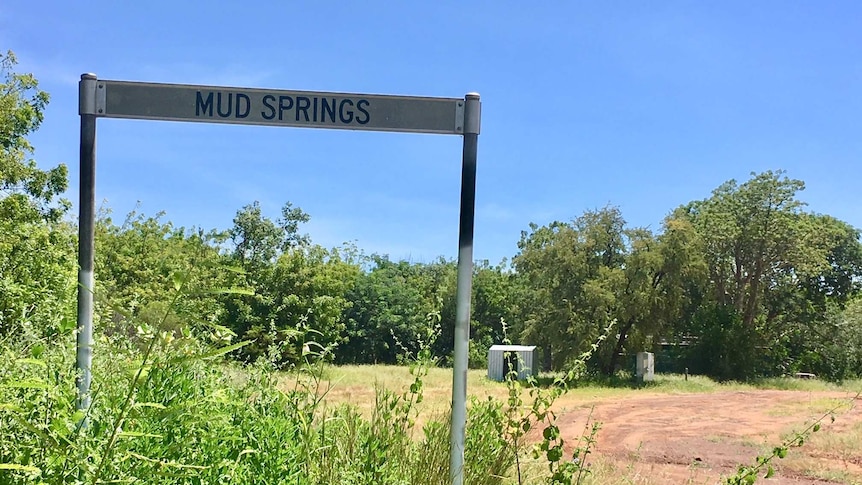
(726, 349)
(188, 420)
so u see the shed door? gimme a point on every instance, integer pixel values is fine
(510, 364)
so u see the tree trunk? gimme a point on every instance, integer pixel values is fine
(618, 348)
(753, 296)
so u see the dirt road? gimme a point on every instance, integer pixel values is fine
(696, 438)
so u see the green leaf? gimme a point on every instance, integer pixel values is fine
(78, 416)
(229, 291)
(19, 468)
(10, 407)
(134, 434)
(769, 472)
(27, 384)
(177, 278)
(32, 362)
(215, 353)
(37, 350)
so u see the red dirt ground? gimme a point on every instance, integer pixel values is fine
(697, 438)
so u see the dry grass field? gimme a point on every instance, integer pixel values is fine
(674, 430)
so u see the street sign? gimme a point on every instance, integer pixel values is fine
(253, 106)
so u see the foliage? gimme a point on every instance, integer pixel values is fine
(258, 240)
(37, 278)
(37, 257)
(834, 349)
(26, 192)
(496, 290)
(745, 281)
(166, 414)
(725, 348)
(520, 418)
(595, 270)
(296, 288)
(136, 263)
(387, 306)
(774, 272)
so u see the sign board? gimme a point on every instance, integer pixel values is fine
(311, 109)
(252, 106)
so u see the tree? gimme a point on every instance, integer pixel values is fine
(594, 271)
(773, 272)
(37, 278)
(258, 240)
(495, 299)
(751, 234)
(139, 262)
(304, 301)
(26, 192)
(299, 288)
(37, 255)
(386, 310)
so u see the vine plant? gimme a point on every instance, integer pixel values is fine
(521, 418)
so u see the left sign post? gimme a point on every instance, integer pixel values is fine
(86, 235)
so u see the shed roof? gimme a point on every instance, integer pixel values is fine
(513, 348)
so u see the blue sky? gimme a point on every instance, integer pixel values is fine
(644, 105)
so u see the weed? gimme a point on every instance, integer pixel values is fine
(763, 463)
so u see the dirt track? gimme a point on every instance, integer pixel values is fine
(696, 438)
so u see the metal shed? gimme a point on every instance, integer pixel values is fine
(517, 357)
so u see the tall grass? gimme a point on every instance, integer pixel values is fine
(163, 411)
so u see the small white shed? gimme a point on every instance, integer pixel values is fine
(519, 358)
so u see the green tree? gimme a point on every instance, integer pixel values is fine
(585, 274)
(495, 302)
(139, 263)
(387, 309)
(38, 268)
(257, 240)
(26, 192)
(37, 255)
(815, 334)
(773, 272)
(306, 296)
(751, 233)
(299, 288)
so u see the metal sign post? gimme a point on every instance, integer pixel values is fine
(310, 109)
(86, 236)
(464, 288)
